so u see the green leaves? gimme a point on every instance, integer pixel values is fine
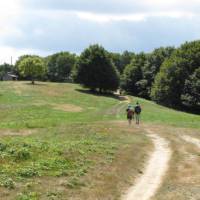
(177, 82)
(32, 67)
(60, 66)
(95, 70)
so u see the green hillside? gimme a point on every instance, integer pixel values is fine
(63, 136)
(49, 104)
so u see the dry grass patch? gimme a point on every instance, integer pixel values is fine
(112, 171)
(67, 107)
(107, 181)
(183, 178)
(23, 132)
(62, 107)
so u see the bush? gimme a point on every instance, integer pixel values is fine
(22, 154)
(3, 146)
(7, 182)
(28, 196)
(28, 172)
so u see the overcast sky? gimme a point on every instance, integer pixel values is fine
(48, 26)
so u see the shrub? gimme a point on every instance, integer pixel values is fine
(7, 182)
(28, 172)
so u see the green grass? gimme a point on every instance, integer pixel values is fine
(60, 151)
(157, 114)
(27, 106)
(70, 143)
(32, 107)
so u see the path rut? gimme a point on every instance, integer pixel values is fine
(146, 185)
(192, 140)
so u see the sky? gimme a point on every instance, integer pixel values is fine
(44, 27)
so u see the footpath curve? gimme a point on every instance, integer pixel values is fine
(192, 140)
(146, 186)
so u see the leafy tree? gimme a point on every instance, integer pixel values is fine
(169, 82)
(32, 67)
(122, 60)
(132, 76)
(4, 69)
(191, 92)
(60, 65)
(116, 58)
(95, 70)
(126, 58)
(17, 64)
(153, 64)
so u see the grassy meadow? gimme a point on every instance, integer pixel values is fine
(58, 141)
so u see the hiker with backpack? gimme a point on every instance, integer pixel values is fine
(137, 112)
(130, 114)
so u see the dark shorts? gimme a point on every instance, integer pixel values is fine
(129, 117)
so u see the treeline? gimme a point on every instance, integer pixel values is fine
(168, 75)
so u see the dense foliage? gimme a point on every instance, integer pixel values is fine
(4, 69)
(139, 75)
(177, 83)
(95, 70)
(132, 79)
(32, 67)
(168, 75)
(59, 66)
(122, 60)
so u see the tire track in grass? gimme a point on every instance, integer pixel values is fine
(192, 140)
(146, 186)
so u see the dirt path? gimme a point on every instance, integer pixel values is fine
(192, 140)
(146, 185)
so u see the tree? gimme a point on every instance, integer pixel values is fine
(168, 87)
(4, 69)
(60, 66)
(191, 92)
(131, 80)
(122, 60)
(116, 58)
(95, 70)
(153, 64)
(126, 59)
(32, 67)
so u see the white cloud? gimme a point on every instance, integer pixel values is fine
(7, 52)
(10, 12)
(116, 6)
(103, 18)
(137, 17)
(36, 26)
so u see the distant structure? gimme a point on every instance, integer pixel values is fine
(9, 77)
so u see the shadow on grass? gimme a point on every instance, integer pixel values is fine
(36, 84)
(103, 94)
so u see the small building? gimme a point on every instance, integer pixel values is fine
(9, 77)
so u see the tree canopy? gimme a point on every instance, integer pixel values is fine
(4, 69)
(167, 75)
(32, 67)
(60, 65)
(95, 70)
(177, 76)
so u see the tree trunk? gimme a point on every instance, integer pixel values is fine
(32, 81)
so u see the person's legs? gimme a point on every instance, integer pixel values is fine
(129, 120)
(137, 117)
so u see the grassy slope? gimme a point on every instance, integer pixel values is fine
(154, 113)
(41, 144)
(72, 151)
(29, 106)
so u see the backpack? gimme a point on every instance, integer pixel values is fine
(130, 113)
(137, 109)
